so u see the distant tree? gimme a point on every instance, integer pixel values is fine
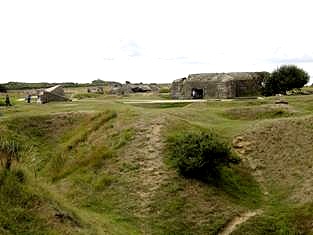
(285, 78)
(3, 88)
(98, 82)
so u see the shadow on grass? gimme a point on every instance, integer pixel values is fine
(238, 184)
(161, 105)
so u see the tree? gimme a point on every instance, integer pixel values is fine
(3, 88)
(98, 82)
(285, 78)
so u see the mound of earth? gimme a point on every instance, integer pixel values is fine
(280, 153)
(260, 112)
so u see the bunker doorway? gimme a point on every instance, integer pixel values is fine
(197, 93)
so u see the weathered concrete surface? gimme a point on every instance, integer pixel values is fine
(55, 93)
(218, 85)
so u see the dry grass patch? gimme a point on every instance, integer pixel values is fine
(282, 151)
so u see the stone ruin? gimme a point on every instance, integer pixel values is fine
(96, 90)
(129, 88)
(55, 93)
(133, 88)
(218, 85)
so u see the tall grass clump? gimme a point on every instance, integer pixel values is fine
(199, 154)
(84, 131)
(17, 203)
(10, 150)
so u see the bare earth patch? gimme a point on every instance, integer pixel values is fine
(234, 223)
(152, 171)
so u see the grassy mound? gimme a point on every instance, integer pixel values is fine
(259, 112)
(183, 205)
(96, 167)
(26, 210)
(281, 155)
(281, 149)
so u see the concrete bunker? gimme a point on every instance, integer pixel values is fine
(55, 93)
(197, 93)
(218, 85)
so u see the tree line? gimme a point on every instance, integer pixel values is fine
(280, 81)
(26, 86)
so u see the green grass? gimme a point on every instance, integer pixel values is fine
(261, 112)
(21, 206)
(86, 95)
(161, 105)
(81, 162)
(236, 181)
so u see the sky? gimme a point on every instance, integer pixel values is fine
(150, 41)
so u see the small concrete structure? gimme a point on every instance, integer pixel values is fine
(55, 93)
(129, 88)
(97, 90)
(218, 85)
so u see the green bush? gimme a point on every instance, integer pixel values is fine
(86, 95)
(164, 90)
(199, 154)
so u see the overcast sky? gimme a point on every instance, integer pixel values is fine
(150, 40)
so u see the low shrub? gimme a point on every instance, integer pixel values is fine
(164, 90)
(86, 95)
(199, 154)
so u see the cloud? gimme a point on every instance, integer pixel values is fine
(293, 60)
(131, 48)
(185, 60)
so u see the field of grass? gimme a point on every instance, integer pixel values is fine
(98, 166)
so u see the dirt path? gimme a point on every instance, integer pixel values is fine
(232, 225)
(146, 151)
(152, 168)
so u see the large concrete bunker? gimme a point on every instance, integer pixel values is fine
(218, 85)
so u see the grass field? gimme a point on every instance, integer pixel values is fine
(99, 166)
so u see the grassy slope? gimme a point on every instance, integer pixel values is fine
(87, 163)
(282, 155)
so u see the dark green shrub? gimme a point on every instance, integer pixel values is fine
(199, 154)
(3, 88)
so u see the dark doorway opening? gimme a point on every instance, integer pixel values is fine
(197, 93)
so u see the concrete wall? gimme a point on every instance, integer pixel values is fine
(46, 97)
(218, 85)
